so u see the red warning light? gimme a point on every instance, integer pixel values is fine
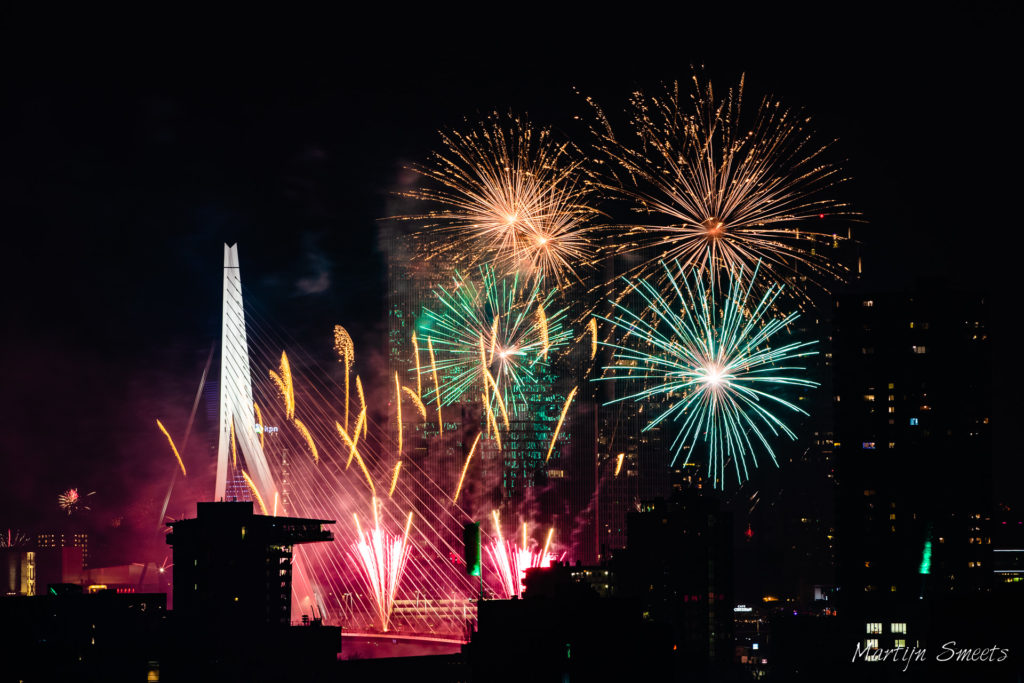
(821, 215)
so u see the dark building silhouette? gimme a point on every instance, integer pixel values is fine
(915, 515)
(679, 566)
(232, 597)
(65, 634)
(231, 565)
(562, 630)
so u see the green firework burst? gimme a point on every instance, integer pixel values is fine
(713, 363)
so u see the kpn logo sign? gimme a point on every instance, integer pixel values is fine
(265, 429)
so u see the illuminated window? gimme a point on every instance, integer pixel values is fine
(869, 304)
(900, 642)
(892, 444)
(919, 349)
(874, 627)
(868, 445)
(892, 516)
(913, 422)
(892, 385)
(892, 409)
(869, 397)
(898, 627)
(872, 644)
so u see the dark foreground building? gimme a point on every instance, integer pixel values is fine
(66, 634)
(232, 596)
(679, 566)
(563, 631)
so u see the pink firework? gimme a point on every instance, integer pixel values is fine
(71, 501)
(382, 557)
(14, 539)
(511, 561)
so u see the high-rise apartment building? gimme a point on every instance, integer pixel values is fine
(912, 398)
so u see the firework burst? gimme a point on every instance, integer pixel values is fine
(382, 558)
(508, 194)
(12, 538)
(715, 368)
(719, 192)
(489, 335)
(71, 501)
(511, 560)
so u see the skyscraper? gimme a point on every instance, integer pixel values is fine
(912, 402)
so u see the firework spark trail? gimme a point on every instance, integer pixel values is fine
(722, 194)
(346, 351)
(497, 395)
(437, 389)
(542, 326)
(618, 463)
(255, 491)
(491, 324)
(416, 355)
(592, 326)
(348, 442)
(308, 437)
(259, 421)
(383, 558)
(509, 195)
(547, 542)
(283, 381)
(394, 478)
(286, 377)
(494, 337)
(362, 401)
(721, 360)
(398, 412)
(492, 422)
(465, 468)
(173, 448)
(561, 419)
(422, 409)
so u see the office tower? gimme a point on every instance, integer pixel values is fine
(912, 399)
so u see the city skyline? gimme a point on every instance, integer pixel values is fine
(857, 455)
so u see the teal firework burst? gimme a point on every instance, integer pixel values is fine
(504, 327)
(711, 363)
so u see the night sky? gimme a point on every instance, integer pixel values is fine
(124, 171)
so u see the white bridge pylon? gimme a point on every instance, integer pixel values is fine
(236, 403)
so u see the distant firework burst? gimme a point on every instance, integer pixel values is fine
(12, 538)
(488, 333)
(713, 363)
(720, 192)
(506, 193)
(71, 501)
